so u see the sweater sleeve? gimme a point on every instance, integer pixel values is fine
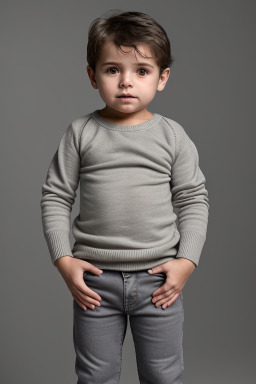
(189, 197)
(59, 193)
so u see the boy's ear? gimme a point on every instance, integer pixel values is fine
(163, 79)
(92, 77)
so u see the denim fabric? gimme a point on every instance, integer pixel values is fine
(99, 333)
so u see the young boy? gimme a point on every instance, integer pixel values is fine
(135, 167)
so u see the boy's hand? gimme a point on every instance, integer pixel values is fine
(177, 273)
(72, 271)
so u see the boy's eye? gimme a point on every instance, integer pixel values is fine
(143, 69)
(112, 70)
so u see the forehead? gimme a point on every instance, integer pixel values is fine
(110, 52)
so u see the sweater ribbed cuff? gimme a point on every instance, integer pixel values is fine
(191, 245)
(58, 244)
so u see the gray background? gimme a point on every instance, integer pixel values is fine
(211, 93)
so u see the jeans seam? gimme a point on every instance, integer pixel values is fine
(121, 357)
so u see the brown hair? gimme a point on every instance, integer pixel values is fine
(129, 29)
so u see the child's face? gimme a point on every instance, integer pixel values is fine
(125, 74)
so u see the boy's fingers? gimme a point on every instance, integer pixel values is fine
(174, 298)
(161, 290)
(79, 302)
(87, 291)
(170, 299)
(96, 271)
(91, 297)
(90, 293)
(90, 301)
(87, 300)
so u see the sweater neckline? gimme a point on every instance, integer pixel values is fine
(107, 124)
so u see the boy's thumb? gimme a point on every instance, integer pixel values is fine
(98, 271)
(93, 269)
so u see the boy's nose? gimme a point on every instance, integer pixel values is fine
(126, 81)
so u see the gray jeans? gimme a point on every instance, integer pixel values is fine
(99, 333)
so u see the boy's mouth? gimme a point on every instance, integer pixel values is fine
(126, 95)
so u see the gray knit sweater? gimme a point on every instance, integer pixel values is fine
(143, 199)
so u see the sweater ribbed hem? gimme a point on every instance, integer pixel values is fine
(191, 245)
(128, 267)
(127, 259)
(58, 244)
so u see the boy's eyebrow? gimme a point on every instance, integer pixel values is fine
(114, 63)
